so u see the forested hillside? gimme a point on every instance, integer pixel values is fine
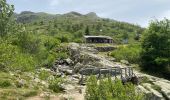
(74, 25)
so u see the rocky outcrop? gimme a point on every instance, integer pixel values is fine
(83, 56)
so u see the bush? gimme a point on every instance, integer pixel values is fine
(5, 83)
(55, 85)
(12, 59)
(64, 37)
(106, 89)
(28, 42)
(43, 75)
(130, 53)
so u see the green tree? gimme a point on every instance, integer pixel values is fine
(87, 31)
(156, 46)
(6, 12)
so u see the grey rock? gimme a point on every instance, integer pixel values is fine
(69, 61)
(77, 76)
(124, 62)
(21, 83)
(77, 67)
(69, 72)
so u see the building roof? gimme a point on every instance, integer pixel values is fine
(99, 36)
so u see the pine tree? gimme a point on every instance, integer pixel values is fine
(87, 31)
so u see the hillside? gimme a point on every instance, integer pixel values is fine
(74, 25)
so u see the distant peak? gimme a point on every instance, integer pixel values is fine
(26, 12)
(92, 14)
(74, 13)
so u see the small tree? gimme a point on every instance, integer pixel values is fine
(6, 12)
(87, 31)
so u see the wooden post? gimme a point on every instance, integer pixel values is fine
(125, 72)
(129, 71)
(121, 73)
(99, 73)
(115, 74)
(132, 72)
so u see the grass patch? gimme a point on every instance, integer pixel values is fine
(16, 94)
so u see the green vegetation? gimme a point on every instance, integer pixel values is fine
(13, 94)
(34, 41)
(6, 11)
(155, 54)
(5, 83)
(23, 54)
(55, 85)
(106, 89)
(130, 53)
(72, 26)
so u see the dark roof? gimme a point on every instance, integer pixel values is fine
(100, 36)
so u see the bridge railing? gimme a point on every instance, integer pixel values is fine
(125, 74)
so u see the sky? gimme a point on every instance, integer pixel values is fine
(139, 12)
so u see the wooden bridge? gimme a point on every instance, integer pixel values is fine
(125, 74)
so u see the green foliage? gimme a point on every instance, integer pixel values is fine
(64, 37)
(55, 85)
(156, 47)
(28, 42)
(87, 31)
(12, 59)
(15, 94)
(62, 52)
(71, 27)
(43, 75)
(6, 12)
(92, 89)
(130, 53)
(106, 89)
(5, 83)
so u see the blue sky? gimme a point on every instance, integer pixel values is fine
(133, 11)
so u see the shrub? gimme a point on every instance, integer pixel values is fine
(5, 83)
(55, 85)
(106, 89)
(12, 59)
(130, 53)
(43, 75)
(64, 37)
(28, 42)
